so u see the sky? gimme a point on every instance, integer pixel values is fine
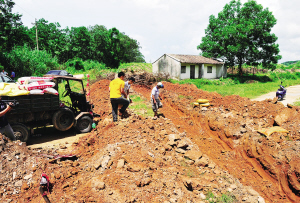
(160, 26)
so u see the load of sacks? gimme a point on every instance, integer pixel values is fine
(201, 102)
(28, 85)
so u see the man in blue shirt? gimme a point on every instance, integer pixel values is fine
(12, 75)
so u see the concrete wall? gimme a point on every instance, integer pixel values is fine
(166, 64)
(209, 75)
(221, 71)
(187, 74)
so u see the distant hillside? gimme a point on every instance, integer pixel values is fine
(287, 63)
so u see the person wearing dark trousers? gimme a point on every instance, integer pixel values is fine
(116, 88)
(155, 98)
(5, 128)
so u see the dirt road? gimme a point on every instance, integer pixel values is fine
(49, 137)
(292, 95)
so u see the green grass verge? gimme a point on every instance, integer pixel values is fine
(141, 106)
(247, 86)
(97, 69)
(297, 103)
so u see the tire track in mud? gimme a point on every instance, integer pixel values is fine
(248, 170)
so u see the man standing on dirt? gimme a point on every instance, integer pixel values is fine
(116, 88)
(127, 87)
(155, 98)
(5, 128)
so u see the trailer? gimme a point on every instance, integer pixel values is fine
(68, 109)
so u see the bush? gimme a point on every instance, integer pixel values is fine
(76, 63)
(25, 61)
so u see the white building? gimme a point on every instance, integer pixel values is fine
(189, 66)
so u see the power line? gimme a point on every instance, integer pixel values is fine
(35, 23)
(25, 10)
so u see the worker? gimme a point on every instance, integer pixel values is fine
(155, 98)
(5, 128)
(127, 87)
(13, 75)
(116, 88)
(45, 187)
(4, 72)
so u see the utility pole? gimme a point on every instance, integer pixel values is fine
(36, 34)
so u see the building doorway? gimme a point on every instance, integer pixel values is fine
(192, 72)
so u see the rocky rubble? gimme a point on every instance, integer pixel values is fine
(233, 123)
(204, 154)
(136, 160)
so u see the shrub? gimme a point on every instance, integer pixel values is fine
(77, 63)
(25, 61)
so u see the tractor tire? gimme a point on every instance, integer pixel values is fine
(20, 131)
(84, 124)
(63, 119)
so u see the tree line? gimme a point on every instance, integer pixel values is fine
(57, 45)
(241, 34)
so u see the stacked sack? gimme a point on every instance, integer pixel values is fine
(37, 85)
(11, 89)
(28, 85)
(201, 102)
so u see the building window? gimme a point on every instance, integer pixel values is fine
(183, 69)
(209, 69)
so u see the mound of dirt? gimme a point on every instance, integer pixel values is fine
(266, 163)
(202, 154)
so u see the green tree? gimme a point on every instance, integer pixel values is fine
(12, 33)
(99, 42)
(50, 38)
(25, 61)
(242, 34)
(79, 43)
(9, 25)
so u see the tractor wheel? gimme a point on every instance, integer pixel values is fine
(21, 132)
(63, 119)
(84, 124)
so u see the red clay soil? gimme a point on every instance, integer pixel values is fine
(185, 155)
(227, 133)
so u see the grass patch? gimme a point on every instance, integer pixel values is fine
(227, 198)
(297, 103)
(288, 138)
(246, 86)
(224, 198)
(141, 106)
(95, 69)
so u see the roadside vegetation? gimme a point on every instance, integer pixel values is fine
(247, 86)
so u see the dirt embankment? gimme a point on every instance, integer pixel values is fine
(227, 133)
(191, 155)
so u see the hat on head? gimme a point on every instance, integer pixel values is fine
(160, 85)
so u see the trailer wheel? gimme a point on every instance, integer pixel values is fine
(63, 119)
(84, 124)
(20, 131)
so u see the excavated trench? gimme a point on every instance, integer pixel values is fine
(226, 132)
